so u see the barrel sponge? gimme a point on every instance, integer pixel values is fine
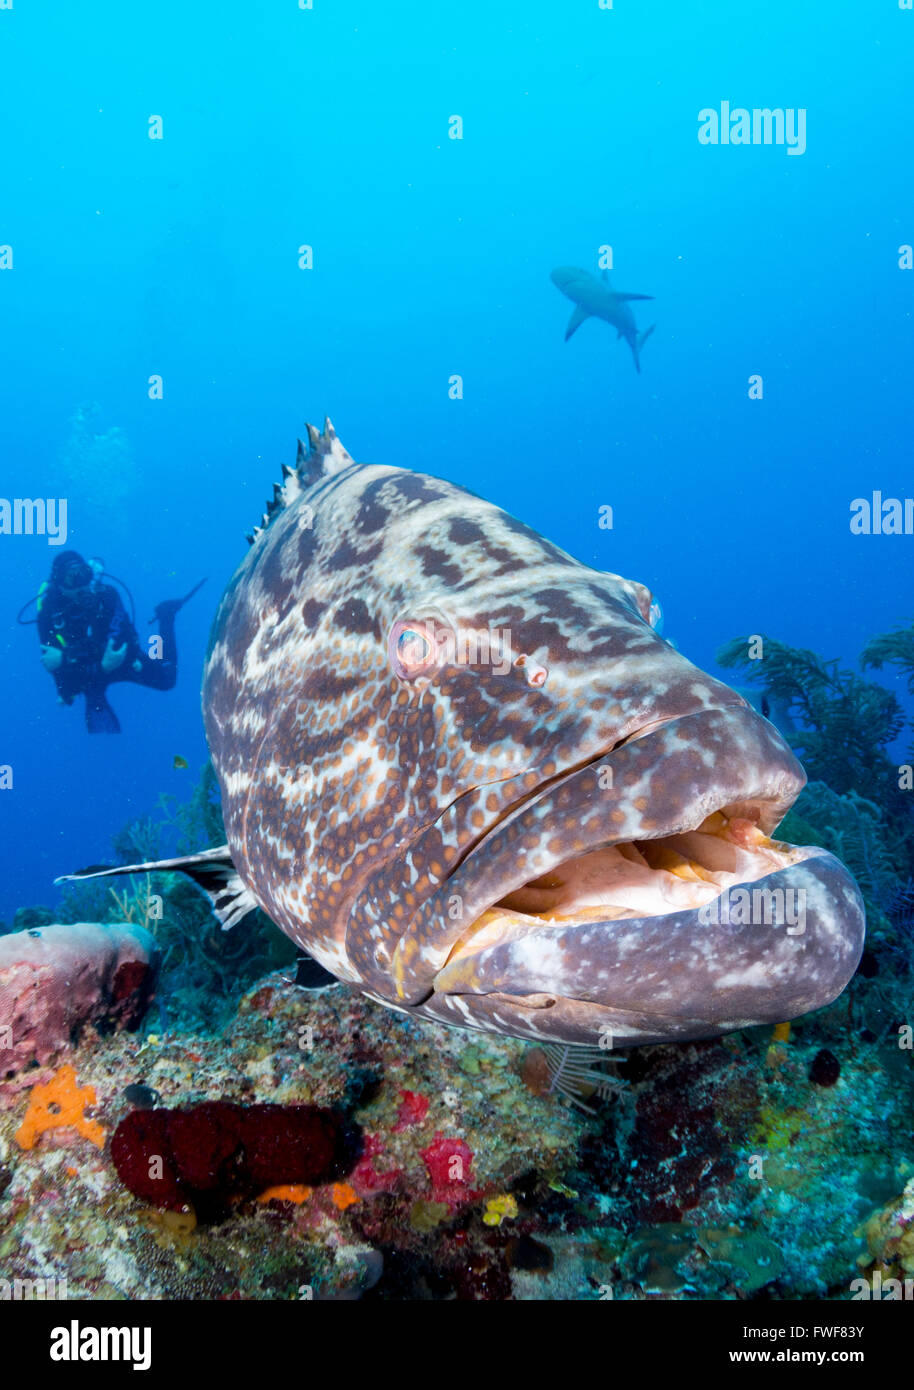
(55, 980)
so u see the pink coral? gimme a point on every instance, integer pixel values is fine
(413, 1110)
(448, 1162)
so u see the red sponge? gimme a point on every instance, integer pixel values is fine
(203, 1155)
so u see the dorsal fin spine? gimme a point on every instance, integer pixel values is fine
(322, 456)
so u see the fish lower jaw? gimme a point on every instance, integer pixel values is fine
(768, 948)
(635, 880)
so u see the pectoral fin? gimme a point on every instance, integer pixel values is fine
(577, 318)
(638, 343)
(619, 295)
(212, 870)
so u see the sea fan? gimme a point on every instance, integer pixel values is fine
(856, 830)
(844, 723)
(893, 649)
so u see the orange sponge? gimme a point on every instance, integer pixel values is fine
(59, 1104)
(287, 1192)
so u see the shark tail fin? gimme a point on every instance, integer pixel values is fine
(212, 870)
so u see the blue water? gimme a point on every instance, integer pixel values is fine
(282, 127)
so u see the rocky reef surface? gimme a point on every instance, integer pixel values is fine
(745, 1168)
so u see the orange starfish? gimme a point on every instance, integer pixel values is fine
(59, 1104)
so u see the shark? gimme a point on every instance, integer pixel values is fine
(595, 298)
(466, 774)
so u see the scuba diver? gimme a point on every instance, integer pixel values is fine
(88, 641)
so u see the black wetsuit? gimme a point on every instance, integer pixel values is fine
(80, 625)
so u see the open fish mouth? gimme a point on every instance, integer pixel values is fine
(641, 893)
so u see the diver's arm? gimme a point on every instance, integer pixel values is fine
(121, 632)
(51, 654)
(123, 643)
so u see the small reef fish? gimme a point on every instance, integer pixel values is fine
(467, 776)
(595, 298)
(178, 763)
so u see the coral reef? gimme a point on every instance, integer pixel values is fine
(889, 1235)
(859, 803)
(56, 980)
(721, 1170)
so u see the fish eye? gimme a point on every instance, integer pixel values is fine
(655, 617)
(411, 649)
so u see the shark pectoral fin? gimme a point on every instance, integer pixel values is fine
(212, 870)
(577, 318)
(619, 295)
(638, 344)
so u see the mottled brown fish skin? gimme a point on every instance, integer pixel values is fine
(353, 797)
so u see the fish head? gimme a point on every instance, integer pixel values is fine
(566, 277)
(467, 774)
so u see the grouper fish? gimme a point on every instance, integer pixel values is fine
(465, 773)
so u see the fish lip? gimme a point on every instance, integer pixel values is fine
(672, 977)
(652, 727)
(710, 761)
(550, 784)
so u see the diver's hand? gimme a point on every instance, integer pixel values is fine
(113, 656)
(51, 657)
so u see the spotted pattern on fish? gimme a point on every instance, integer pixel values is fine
(381, 816)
